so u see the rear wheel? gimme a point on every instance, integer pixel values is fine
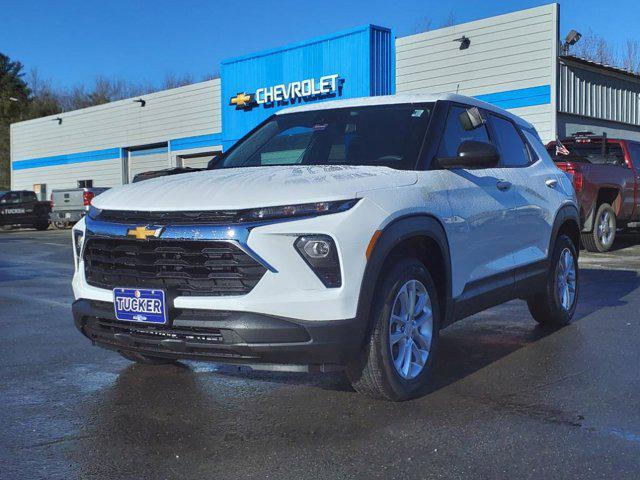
(401, 350)
(556, 305)
(147, 359)
(604, 230)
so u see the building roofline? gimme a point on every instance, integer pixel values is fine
(600, 66)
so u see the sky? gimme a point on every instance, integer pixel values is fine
(72, 42)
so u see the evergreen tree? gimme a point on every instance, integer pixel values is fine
(14, 103)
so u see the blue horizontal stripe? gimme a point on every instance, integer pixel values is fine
(149, 151)
(82, 157)
(198, 141)
(523, 97)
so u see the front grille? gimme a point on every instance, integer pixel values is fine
(182, 268)
(220, 217)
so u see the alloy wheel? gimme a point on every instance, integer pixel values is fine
(566, 279)
(411, 329)
(606, 228)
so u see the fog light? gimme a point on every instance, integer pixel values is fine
(317, 248)
(320, 253)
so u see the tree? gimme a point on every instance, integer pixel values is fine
(14, 98)
(631, 56)
(595, 48)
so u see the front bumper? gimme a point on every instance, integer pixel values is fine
(256, 340)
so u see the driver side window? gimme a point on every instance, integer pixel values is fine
(455, 133)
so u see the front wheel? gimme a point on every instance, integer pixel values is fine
(42, 226)
(401, 350)
(556, 305)
(604, 230)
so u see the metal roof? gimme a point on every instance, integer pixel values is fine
(602, 66)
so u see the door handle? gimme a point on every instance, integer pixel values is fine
(503, 185)
(551, 183)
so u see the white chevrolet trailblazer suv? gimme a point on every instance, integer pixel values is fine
(335, 235)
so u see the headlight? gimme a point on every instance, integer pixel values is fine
(78, 242)
(320, 253)
(299, 210)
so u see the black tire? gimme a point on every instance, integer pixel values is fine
(59, 225)
(41, 226)
(373, 373)
(546, 308)
(593, 241)
(147, 359)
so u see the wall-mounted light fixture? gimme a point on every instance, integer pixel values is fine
(571, 39)
(141, 102)
(464, 42)
(57, 119)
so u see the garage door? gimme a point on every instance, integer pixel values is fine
(197, 161)
(147, 159)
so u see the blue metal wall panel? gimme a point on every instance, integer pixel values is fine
(383, 67)
(355, 55)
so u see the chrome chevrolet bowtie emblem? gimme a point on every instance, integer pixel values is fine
(143, 233)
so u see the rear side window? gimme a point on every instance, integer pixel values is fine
(454, 133)
(513, 150)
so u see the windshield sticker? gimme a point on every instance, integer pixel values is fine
(417, 113)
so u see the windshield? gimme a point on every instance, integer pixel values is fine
(386, 135)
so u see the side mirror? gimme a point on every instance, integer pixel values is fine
(472, 154)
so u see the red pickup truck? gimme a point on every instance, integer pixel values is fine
(605, 173)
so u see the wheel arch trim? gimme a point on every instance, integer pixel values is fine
(392, 235)
(568, 212)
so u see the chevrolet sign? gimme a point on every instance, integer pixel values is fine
(288, 92)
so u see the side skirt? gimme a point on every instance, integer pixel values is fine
(521, 282)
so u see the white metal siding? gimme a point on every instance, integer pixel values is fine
(607, 96)
(180, 112)
(507, 52)
(104, 173)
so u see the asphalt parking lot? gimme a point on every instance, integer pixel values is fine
(509, 399)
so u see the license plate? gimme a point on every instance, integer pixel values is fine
(139, 305)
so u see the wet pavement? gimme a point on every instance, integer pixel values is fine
(508, 399)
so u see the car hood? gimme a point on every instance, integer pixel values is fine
(250, 187)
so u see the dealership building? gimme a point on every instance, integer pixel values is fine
(514, 61)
